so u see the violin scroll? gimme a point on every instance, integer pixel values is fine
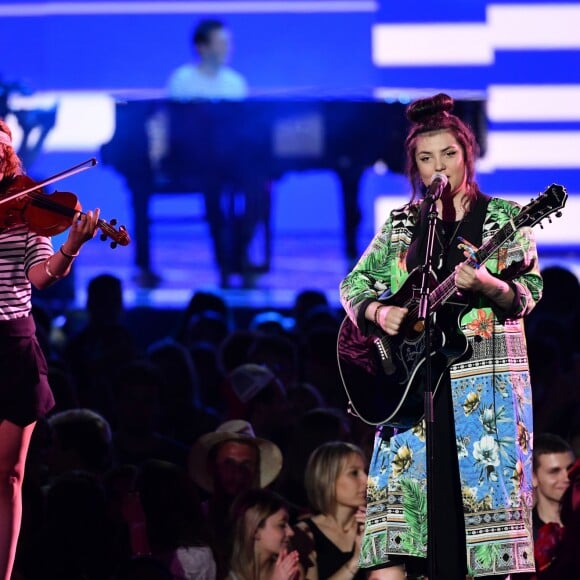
(119, 236)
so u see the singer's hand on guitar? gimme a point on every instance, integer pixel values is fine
(472, 276)
(469, 278)
(480, 280)
(390, 318)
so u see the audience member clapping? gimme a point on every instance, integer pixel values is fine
(260, 541)
(335, 480)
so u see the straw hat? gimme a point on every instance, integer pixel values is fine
(235, 430)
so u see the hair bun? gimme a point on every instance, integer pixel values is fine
(422, 109)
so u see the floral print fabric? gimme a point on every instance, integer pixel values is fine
(491, 396)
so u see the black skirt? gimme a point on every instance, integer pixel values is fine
(25, 394)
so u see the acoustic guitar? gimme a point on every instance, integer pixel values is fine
(384, 376)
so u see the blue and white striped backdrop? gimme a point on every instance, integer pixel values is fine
(523, 56)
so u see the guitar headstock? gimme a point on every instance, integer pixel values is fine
(119, 236)
(547, 203)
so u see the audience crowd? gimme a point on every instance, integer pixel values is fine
(226, 450)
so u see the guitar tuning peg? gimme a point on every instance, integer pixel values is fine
(113, 222)
(558, 214)
(113, 245)
(103, 237)
(541, 226)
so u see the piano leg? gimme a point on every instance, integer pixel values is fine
(267, 224)
(236, 214)
(350, 183)
(141, 220)
(217, 208)
(257, 227)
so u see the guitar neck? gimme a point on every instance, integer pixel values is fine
(548, 203)
(447, 288)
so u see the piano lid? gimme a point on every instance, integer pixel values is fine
(403, 95)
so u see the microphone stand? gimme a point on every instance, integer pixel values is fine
(425, 316)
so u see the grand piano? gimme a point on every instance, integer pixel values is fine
(167, 146)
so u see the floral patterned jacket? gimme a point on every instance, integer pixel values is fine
(492, 403)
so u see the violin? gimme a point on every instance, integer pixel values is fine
(24, 203)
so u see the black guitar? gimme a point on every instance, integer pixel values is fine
(384, 375)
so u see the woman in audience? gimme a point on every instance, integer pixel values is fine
(260, 539)
(335, 483)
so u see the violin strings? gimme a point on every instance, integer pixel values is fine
(42, 200)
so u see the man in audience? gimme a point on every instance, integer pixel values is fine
(553, 458)
(556, 545)
(225, 463)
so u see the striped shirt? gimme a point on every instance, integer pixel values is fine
(19, 250)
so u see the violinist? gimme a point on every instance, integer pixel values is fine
(26, 258)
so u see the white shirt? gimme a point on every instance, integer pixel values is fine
(189, 82)
(20, 249)
(193, 563)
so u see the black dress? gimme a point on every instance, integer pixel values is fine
(448, 526)
(329, 557)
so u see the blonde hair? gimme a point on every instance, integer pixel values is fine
(324, 466)
(249, 514)
(10, 164)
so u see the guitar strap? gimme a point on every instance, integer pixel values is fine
(471, 228)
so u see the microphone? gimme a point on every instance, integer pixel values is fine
(439, 182)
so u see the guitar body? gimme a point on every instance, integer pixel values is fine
(384, 376)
